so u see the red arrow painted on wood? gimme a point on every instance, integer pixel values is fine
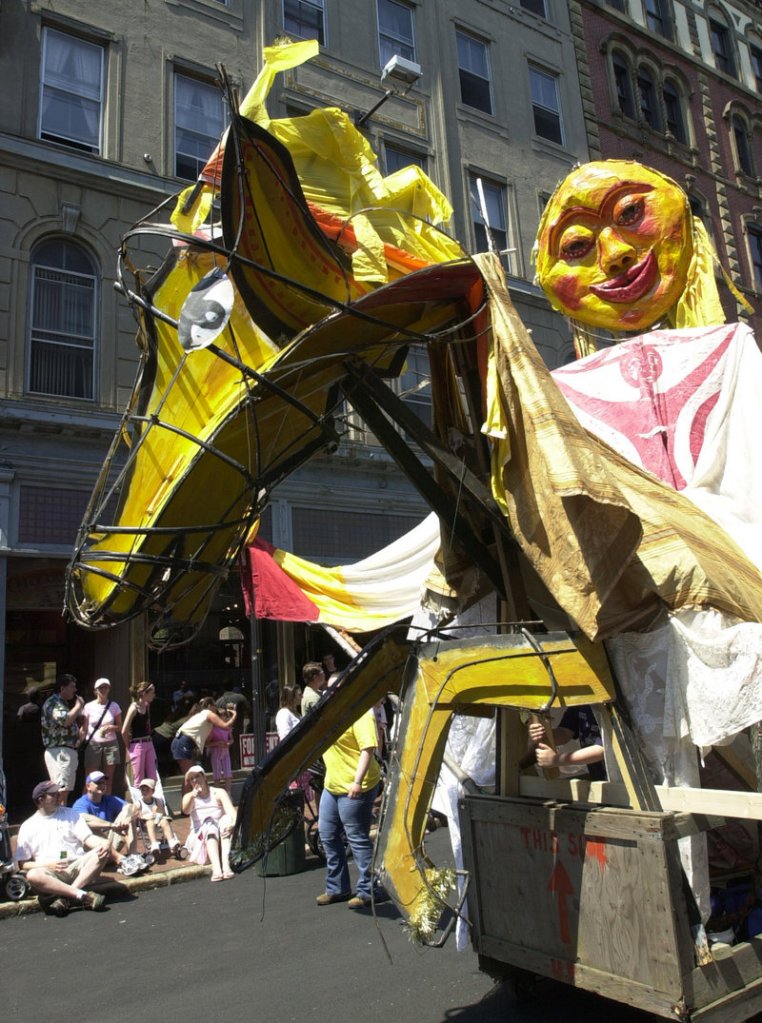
(560, 884)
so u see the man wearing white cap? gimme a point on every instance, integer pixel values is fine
(102, 730)
(109, 818)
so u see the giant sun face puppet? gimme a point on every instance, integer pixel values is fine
(615, 246)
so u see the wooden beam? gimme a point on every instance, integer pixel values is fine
(709, 802)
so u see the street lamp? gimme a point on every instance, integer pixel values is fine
(398, 70)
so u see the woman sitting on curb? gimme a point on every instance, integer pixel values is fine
(212, 816)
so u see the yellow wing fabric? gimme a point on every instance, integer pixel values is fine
(207, 438)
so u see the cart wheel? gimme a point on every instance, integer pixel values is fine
(523, 986)
(16, 888)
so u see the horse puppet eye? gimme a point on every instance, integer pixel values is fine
(206, 311)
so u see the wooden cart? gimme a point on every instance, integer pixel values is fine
(594, 896)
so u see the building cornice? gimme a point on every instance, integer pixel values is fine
(63, 164)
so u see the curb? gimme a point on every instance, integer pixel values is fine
(144, 883)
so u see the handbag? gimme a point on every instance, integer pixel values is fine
(86, 741)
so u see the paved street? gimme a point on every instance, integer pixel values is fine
(254, 948)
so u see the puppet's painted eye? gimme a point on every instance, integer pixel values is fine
(629, 212)
(575, 244)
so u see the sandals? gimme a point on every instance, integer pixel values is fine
(226, 876)
(216, 877)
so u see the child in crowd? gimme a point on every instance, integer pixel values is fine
(153, 814)
(218, 744)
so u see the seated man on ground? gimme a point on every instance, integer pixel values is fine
(51, 849)
(109, 818)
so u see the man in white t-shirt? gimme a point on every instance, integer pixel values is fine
(51, 849)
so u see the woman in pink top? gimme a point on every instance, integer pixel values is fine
(218, 747)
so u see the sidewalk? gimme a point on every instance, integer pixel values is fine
(164, 872)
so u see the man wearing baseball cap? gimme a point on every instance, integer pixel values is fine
(110, 818)
(51, 849)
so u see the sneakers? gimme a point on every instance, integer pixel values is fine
(328, 898)
(131, 865)
(58, 907)
(94, 901)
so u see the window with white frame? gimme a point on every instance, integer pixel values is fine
(658, 19)
(722, 46)
(741, 139)
(535, 6)
(545, 104)
(474, 72)
(673, 110)
(755, 249)
(62, 321)
(305, 19)
(415, 384)
(396, 31)
(648, 99)
(488, 213)
(700, 209)
(71, 91)
(396, 158)
(199, 123)
(623, 84)
(755, 55)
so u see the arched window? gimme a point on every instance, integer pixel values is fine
(742, 144)
(648, 100)
(62, 320)
(755, 56)
(755, 249)
(673, 110)
(722, 43)
(623, 84)
(700, 209)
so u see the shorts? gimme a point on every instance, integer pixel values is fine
(73, 867)
(102, 754)
(183, 747)
(61, 762)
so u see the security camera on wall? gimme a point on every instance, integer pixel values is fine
(400, 69)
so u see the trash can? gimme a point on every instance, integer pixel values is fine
(288, 856)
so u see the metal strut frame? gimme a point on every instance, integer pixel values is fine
(374, 401)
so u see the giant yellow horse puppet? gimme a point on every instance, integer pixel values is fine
(311, 286)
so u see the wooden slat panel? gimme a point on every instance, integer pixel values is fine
(575, 885)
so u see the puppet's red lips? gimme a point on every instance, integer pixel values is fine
(631, 285)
